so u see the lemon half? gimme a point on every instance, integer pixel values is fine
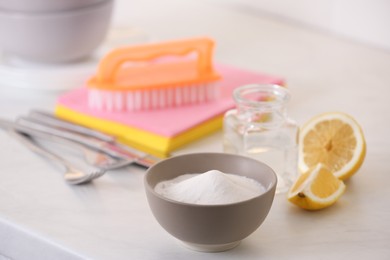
(335, 140)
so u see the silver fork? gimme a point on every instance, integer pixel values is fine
(71, 174)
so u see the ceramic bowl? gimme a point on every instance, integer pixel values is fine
(210, 227)
(55, 37)
(44, 6)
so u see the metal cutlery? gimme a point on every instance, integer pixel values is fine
(99, 149)
(51, 120)
(49, 123)
(72, 174)
(93, 157)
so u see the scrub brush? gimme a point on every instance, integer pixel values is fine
(154, 76)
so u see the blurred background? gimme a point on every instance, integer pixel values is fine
(367, 21)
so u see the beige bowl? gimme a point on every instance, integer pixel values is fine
(55, 37)
(210, 227)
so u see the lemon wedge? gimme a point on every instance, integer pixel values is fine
(335, 140)
(316, 189)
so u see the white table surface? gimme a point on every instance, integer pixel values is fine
(41, 217)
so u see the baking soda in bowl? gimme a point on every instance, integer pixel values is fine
(210, 188)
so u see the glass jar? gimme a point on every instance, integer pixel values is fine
(259, 128)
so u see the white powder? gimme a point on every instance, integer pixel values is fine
(212, 187)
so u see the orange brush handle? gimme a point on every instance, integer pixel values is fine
(113, 62)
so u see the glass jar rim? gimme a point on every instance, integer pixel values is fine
(281, 93)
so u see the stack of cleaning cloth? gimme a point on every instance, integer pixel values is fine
(160, 104)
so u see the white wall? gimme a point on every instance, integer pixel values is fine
(367, 21)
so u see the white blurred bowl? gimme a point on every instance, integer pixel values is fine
(44, 6)
(55, 37)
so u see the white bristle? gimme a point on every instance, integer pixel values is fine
(154, 99)
(147, 97)
(162, 97)
(194, 94)
(211, 92)
(137, 99)
(119, 102)
(201, 93)
(108, 100)
(130, 101)
(217, 91)
(178, 96)
(111, 95)
(208, 93)
(188, 95)
(185, 94)
(170, 95)
(92, 99)
(115, 101)
(99, 100)
(96, 99)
